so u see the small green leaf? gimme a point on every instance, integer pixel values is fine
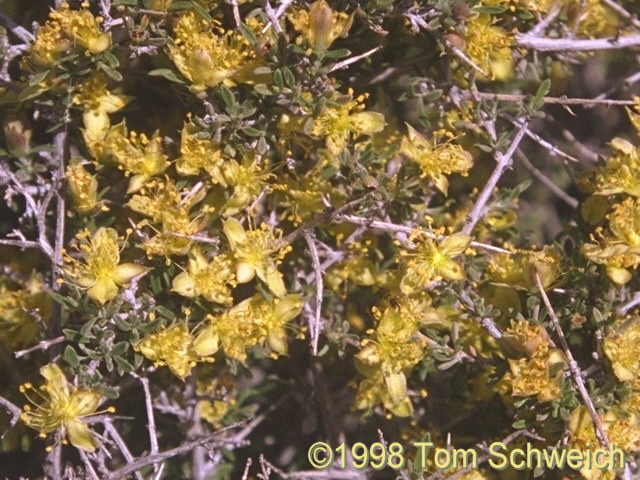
(112, 73)
(38, 77)
(543, 89)
(166, 73)
(71, 357)
(519, 424)
(227, 96)
(339, 53)
(252, 132)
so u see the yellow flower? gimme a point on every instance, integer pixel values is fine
(433, 260)
(63, 407)
(530, 362)
(198, 153)
(207, 59)
(436, 159)
(518, 270)
(621, 348)
(619, 251)
(211, 279)
(171, 346)
(97, 102)
(24, 311)
(101, 273)
(67, 28)
(385, 359)
(621, 173)
(257, 253)
(320, 25)
(83, 187)
(248, 180)
(303, 196)
(251, 322)
(169, 208)
(489, 47)
(339, 119)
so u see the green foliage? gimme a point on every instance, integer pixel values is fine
(254, 227)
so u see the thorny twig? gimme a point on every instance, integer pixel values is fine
(503, 162)
(465, 58)
(20, 32)
(551, 148)
(620, 10)
(634, 302)
(564, 100)
(560, 193)
(540, 27)
(316, 323)
(122, 446)
(543, 44)
(408, 229)
(88, 467)
(40, 346)
(356, 58)
(273, 16)
(151, 422)
(573, 367)
(13, 409)
(215, 439)
(236, 12)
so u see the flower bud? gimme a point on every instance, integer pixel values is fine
(321, 26)
(17, 136)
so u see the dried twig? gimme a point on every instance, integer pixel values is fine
(559, 192)
(151, 422)
(576, 374)
(20, 32)
(503, 162)
(87, 464)
(316, 322)
(634, 302)
(236, 12)
(540, 27)
(40, 346)
(620, 10)
(274, 16)
(465, 58)
(551, 148)
(408, 229)
(356, 58)
(564, 100)
(120, 443)
(541, 44)
(13, 409)
(215, 439)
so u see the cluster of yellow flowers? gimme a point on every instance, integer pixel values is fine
(617, 248)
(386, 357)
(65, 29)
(531, 362)
(254, 321)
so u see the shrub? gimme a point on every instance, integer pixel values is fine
(231, 230)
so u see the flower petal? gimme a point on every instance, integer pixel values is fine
(234, 231)
(103, 290)
(127, 271)
(80, 436)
